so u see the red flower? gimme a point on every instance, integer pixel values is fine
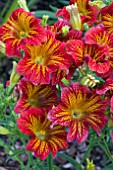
(94, 55)
(108, 85)
(75, 48)
(78, 110)
(88, 13)
(40, 61)
(44, 140)
(21, 28)
(107, 18)
(59, 74)
(40, 96)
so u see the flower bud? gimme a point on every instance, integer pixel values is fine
(2, 47)
(75, 19)
(65, 30)
(44, 20)
(22, 4)
(90, 165)
(89, 81)
(14, 78)
(98, 3)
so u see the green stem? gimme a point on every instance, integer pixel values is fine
(87, 154)
(12, 8)
(71, 160)
(50, 161)
(107, 149)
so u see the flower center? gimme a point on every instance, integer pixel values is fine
(23, 34)
(77, 114)
(33, 102)
(41, 134)
(40, 60)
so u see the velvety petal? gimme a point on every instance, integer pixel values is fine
(60, 115)
(39, 96)
(78, 131)
(44, 139)
(96, 120)
(99, 67)
(40, 61)
(112, 103)
(75, 48)
(108, 85)
(96, 35)
(21, 28)
(107, 18)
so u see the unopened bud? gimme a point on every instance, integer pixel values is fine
(90, 165)
(89, 81)
(65, 30)
(44, 20)
(75, 19)
(98, 3)
(2, 47)
(14, 78)
(23, 4)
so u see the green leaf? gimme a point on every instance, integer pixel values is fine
(45, 12)
(71, 160)
(4, 131)
(54, 9)
(14, 5)
(109, 167)
(64, 2)
(31, 3)
(15, 154)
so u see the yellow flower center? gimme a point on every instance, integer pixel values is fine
(77, 114)
(23, 34)
(41, 134)
(40, 60)
(33, 102)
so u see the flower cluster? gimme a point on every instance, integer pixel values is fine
(66, 71)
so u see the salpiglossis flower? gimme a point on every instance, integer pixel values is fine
(59, 74)
(39, 96)
(21, 28)
(107, 90)
(107, 18)
(78, 110)
(40, 61)
(88, 13)
(44, 139)
(94, 55)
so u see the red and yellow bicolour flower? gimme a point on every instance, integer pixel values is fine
(40, 61)
(44, 139)
(98, 35)
(39, 96)
(94, 55)
(21, 28)
(78, 110)
(107, 18)
(88, 13)
(107, 89)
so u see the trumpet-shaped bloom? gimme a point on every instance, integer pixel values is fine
(78, 110)
(108, 85)
(76, 49)
(88, 13)
(40, 61)
(99, 36)
(59, 74)
(21, 28)
(39, 96)
(44, 139)
(107, 18)
(94, 55)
